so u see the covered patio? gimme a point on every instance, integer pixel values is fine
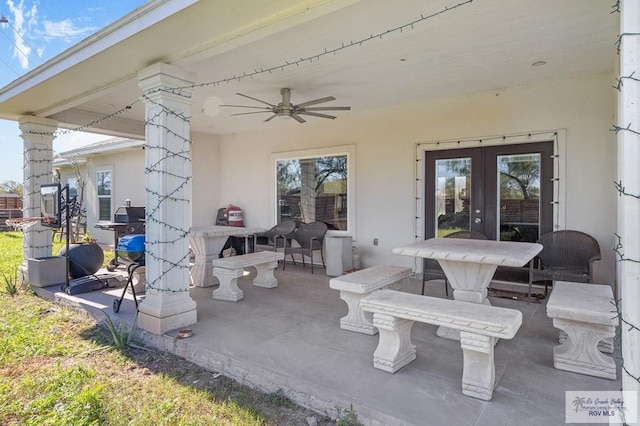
(421, 80)
(289, 338)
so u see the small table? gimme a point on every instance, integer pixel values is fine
(206, 243)
(470, 264)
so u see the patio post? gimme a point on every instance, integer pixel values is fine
(37, 138)
(629, 179)
(167, 304)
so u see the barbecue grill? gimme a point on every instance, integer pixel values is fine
(130, 248)
(127, 220)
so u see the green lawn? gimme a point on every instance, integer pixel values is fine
(58, 367)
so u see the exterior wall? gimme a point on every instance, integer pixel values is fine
(205, 187)
(385, 154)
(128, 183)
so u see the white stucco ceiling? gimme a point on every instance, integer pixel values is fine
(478, 46)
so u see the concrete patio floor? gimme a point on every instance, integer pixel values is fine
(289, 338)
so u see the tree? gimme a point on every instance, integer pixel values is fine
(289, 177)
(11, 187)
(520, 176)
(330, 168)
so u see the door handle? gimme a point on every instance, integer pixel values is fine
(477, 220)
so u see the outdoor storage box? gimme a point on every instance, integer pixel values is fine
(47, 271)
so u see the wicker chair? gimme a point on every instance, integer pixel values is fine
(309, 238)
(565, 256)
(431, 269)
(276, 237)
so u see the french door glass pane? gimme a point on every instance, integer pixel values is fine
(519, 197)
(453, 193)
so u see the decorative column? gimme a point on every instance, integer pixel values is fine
(629, 206)
(167, 304)
(37, 138)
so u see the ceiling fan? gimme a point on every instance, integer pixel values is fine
(287, 109)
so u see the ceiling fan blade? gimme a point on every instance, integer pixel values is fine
(336, 108)
(271, 118)
(255, 99)
(246, 106)
(316, 114)
(316, 101)
(253, 112)
(297, 117)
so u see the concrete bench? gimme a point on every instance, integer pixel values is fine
(480, 326)
(353, 287)
(588, 319)
(227, 270)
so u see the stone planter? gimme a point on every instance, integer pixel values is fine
(84, 259)
(46, 271)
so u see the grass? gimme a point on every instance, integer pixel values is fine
(59, 367)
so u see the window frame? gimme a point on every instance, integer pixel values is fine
(99, 197)
(332, 151)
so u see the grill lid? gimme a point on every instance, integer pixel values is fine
(129, 214)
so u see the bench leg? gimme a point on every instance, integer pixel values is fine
(579, 352)
(479, 371)
(605, 345)
(356, 319)
(395, 349)
(264, 275)
(228, 289)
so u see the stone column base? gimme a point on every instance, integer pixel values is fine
(157, 325)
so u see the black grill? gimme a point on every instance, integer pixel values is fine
(127, 220)
(132, 217)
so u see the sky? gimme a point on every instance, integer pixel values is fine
(37, 31)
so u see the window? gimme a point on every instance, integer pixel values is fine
(103, 189)
(316, 187)
(73, 187)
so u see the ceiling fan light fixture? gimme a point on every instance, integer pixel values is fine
(287, 110)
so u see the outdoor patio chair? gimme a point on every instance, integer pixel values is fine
(431, 269)
(309, 238)
(565, 256)
(276, 237)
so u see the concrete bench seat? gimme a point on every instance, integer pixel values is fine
(587, 318)
(354, 286)
(227, 270)
(394, 313)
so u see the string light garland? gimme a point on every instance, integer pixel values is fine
(471, 142)
(258, 71)
(332, 51)
(175, 234)
(619, 186)
(175, 193)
